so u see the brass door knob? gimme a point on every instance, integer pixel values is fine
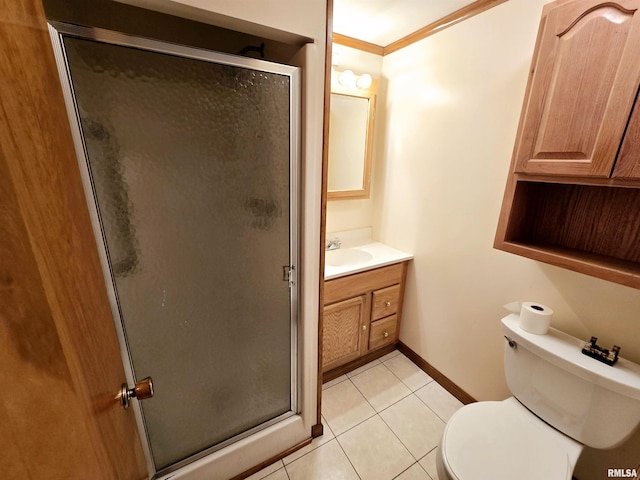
(142, 390)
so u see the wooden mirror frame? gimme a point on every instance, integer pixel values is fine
(369, 93)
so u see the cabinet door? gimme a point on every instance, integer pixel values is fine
(344, 332)
(628, 164)
(582, 86)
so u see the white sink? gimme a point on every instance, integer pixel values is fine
(346, 256)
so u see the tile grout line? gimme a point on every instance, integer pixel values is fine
(375, 413)
(411, 466)
(349, 459)
(434, 412)
(412, 392)
(429, 407)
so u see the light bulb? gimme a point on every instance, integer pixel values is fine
(347, 79)
(364, 81)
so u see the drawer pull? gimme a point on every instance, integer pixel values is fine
(385, 334)
(387, 303)
(364, 327)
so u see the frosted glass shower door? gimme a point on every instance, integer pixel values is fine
(190, 159)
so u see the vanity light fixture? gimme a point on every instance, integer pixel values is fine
(350, 80)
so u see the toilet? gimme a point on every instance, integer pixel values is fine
(562, 401)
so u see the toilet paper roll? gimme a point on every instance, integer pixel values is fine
(535, 317)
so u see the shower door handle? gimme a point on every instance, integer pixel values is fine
(142, 390)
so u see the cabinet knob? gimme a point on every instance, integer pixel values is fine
(387, 303)
(364, 327)
(385, 334)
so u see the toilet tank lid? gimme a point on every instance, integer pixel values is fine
(565, 351)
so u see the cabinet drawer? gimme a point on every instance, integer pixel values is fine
(383, 332)
(385, 302)
(358, 283)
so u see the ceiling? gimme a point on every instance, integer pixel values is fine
(382, 22)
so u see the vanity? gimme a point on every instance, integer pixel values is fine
(364, 280)
(363, 294)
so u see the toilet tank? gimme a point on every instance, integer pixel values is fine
(596, 404)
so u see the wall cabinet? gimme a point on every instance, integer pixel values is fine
(361, 314)
(574, 191)
(583, 84)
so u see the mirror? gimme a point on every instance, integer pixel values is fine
(352, 112)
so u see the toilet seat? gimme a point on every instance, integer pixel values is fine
(504, 441)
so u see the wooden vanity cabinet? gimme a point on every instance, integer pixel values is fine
(361, 314)
(573, 196)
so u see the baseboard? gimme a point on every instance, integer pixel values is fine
(317, 430)
(434, 373)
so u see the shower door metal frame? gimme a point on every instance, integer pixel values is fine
(57, 31)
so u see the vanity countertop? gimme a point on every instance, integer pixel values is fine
(340, 262)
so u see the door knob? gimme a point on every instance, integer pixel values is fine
(142, 390)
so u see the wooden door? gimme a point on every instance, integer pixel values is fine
(61, 367)
(582, 86)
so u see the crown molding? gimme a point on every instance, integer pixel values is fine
(358, 44)
(453, 18)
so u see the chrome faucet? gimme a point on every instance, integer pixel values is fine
(334, 244)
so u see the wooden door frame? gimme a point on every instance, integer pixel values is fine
(317, 429)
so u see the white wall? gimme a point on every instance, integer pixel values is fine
(352, 214)
(453, 105)
(284, 20)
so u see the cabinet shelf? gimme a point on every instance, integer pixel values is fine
(586, 228)
(600, 266)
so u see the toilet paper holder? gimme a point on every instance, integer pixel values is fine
(609, 357)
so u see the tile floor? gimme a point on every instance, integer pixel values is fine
(382, 421)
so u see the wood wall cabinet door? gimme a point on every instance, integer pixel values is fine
(628, 164)
(344, 332)
(581, 89)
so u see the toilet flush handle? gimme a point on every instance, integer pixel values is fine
(512, 343)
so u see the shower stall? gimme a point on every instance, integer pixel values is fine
(190, 162)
